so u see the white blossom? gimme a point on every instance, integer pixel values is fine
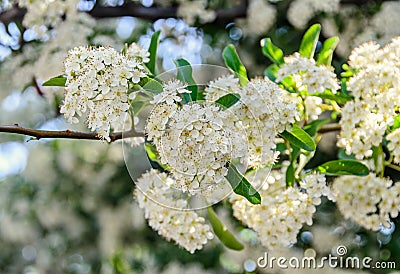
(97, 85)
(263, 111)
(301, 11)
(375, 87)
(368, 201)
(307, 75)
(283, 210)
(260, 17)
(196, 140)
(184, 227)
(193, 9)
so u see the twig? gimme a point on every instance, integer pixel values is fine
(395, 167)
(67, 134)
(329, 128)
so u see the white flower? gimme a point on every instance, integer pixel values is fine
(260, 17)
(184, 227)
(301, 11)
(137, 52)
(263, 111)
(191, 10)
(44, 15)
(368, 200)
(283, 210)
(222, 86)
(97, 85)
(307, 75)
(196, 141)
(375, 87)
(394, 145)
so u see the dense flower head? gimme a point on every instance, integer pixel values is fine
(376, 90)
(97, 85)
(195, 140)
(307, 75)
(369, 201)
(186, 228)
(263, 111)
(283, 210)
(222, 86)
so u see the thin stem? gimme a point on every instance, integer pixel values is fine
(395, 167)
(67, 134)
(329, 128)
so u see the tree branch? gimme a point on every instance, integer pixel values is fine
(67, 134)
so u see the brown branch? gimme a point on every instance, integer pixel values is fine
(13, 14)
(67, 134)
(329, 128)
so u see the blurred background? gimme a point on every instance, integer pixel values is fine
(66, 206)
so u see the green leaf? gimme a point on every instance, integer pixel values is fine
(151, 85)
(228, 100)
(58, 81)
(223, 234)
(344, 167)
(137, 106)
(153, 155)
(313, 127)
(274, 53)
(241, 186)
(343, 156)
(338, 97)
(271, 72)
(326, 53)
(396, 123)
(155, 40)
(290, 178)
(185, 75)
(233, 62)
(281, 147)
(299, 138)
(309, 41)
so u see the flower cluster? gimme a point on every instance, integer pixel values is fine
(97, 84)
(375, 87)
(43, 15)
(263, 111)
(301, 11)
(184, 227)
(197, 9)
(195, 140)
(307, 75)
(368, 200)
(283, 211)
(260, 17)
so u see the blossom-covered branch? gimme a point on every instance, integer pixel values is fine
(67, 134)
